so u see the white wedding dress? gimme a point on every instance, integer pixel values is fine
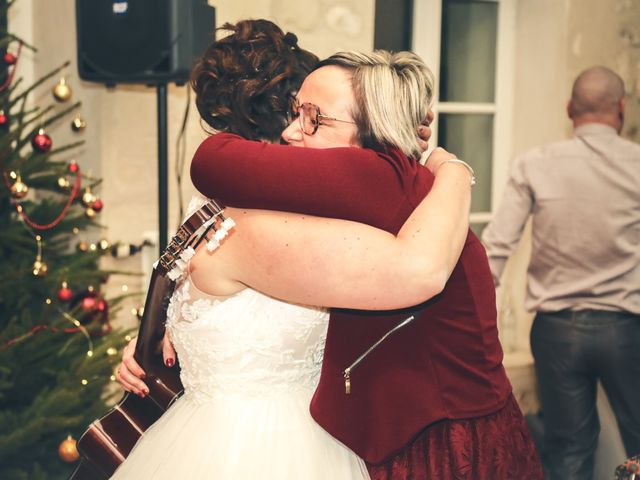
(249, 365)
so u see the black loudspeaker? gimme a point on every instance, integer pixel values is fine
(141, 41)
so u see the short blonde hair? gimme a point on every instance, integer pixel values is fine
(393, 93)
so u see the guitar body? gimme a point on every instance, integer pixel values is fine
(108, 440)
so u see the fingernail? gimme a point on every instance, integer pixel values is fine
(169, 362)
(143, 375)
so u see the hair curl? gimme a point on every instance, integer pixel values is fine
(244, 81)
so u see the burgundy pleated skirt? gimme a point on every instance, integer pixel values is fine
(495, 447)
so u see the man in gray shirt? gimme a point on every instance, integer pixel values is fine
(583, 282)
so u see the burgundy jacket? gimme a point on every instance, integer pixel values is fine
(447, 364)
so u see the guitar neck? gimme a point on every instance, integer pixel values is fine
(163, 382)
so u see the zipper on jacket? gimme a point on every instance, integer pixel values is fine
(347, 371)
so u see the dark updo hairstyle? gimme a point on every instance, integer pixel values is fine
(244, 81)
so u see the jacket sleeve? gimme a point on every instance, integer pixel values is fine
(347, 183)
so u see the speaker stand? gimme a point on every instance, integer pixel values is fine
(163, 194)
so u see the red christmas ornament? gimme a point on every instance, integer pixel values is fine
(102, 305)
(73, 167)
(65, 294)
(97, 205)
(4, 120)
(41, 142)
(94, 311)
(88, 303)
(9, 58)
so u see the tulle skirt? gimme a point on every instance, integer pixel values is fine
(241, 437)
(495, 447)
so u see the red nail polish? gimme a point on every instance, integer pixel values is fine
(169, 362)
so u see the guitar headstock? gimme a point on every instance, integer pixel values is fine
(191, 233)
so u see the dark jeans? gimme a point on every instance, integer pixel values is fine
(572, 351)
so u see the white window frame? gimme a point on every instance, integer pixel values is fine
(427, 23)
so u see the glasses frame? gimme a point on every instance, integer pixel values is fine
(298, 111)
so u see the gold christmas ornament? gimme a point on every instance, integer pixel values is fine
(78, 124)
(40, 268)
(61, 91)
(19, 189)
(104, 244)
(88, 198)
(67, 450)
(83, 246)
(63, 183)
(90, 213)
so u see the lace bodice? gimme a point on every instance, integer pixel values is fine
(245, 344)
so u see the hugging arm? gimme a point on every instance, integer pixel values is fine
(345, 183)
(326, 262)
(321, 261)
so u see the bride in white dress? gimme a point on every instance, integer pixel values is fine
(249, 366)
(249, 363)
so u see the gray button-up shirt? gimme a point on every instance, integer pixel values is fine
(584, 198)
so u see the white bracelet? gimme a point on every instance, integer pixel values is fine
(465, 165)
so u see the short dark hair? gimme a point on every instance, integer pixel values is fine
(244, 81)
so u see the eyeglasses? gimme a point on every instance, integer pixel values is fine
(310, 117)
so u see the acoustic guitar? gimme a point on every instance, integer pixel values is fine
(110, 439)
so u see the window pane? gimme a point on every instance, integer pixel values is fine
(468, 57)
(470, 137)
(478, 228)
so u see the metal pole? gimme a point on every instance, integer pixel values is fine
(163, 192)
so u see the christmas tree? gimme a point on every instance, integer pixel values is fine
(57, 348)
